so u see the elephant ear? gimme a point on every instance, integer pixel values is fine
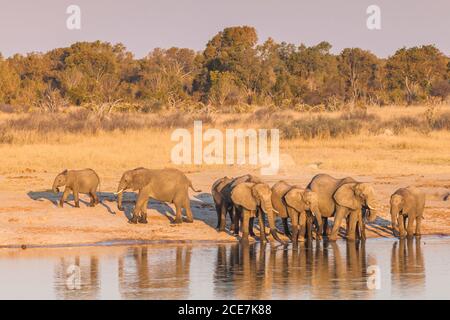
(139, 180)
(345, 196)
(242, 196)
(294, 199)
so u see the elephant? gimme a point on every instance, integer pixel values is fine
(279, 189)
(407, 206)
(303, 206)
(216, 190)
(254, 199)
(344, 198)
(77, 181)
(295, 203)
(168, 185)
(221, 192)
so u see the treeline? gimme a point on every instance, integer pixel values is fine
(232, 71)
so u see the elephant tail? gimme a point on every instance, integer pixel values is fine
(192, 187)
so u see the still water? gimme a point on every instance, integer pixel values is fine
(407, 269)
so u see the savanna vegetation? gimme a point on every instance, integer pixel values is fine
(233, 73)
(94, 104)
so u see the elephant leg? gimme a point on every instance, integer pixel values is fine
(298, 234)
(237, 220)
(143, 212)
(362, 227)
(76, 197)
(218, 208)
(401, 226)
(339, 215)
(410, 227)
(187, 207)
(325, 226)
(309, 227)
(245, 224)
(231, 213)
(178, 217)
(262, 227)
(250, 227)
(223, 215)
(96, 198)
(64, 197)
(319, 230)
(143, 218)
(93, 199)
(352, 220)
(347, 224)
(286, 227)
(418, 226)
(138, 207)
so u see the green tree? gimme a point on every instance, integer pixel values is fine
(414, 70)
(9, 82)
(96, 72)
(166, 76)
(232, 50)
(360, 71)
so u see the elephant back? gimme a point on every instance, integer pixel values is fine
(279, 190)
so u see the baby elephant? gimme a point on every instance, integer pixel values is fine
(407, 206)
(77, 181)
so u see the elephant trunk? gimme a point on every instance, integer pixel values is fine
(317, 215)
(120, 189)
(372, 210)
(55, 187)
(394, 215)
(267, 208)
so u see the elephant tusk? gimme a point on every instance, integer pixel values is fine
(119, 192)
(370, 207)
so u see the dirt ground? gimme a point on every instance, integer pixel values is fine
(29, 215)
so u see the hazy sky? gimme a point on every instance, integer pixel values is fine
(143, 25)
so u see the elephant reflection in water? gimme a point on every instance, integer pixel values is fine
(144, 269)
(257, 271)
(407, 264)
(241, 272)
(77, 277)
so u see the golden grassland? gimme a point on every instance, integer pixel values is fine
(407, 152)
(391, 147)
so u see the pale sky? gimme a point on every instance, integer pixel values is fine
(141, 25)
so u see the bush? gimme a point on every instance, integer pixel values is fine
(320, 127)
(440, 89)
(361, 115)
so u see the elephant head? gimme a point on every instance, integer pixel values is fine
(254, 196)
(303, 200)
(133, 179)
(60, 180)
(356, 196)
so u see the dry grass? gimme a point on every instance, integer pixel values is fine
(351, 143)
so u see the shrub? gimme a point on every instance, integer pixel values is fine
(320, 127)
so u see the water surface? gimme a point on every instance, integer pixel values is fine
(407, 269)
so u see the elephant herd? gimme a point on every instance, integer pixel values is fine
(247, 197)
(308, 209)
